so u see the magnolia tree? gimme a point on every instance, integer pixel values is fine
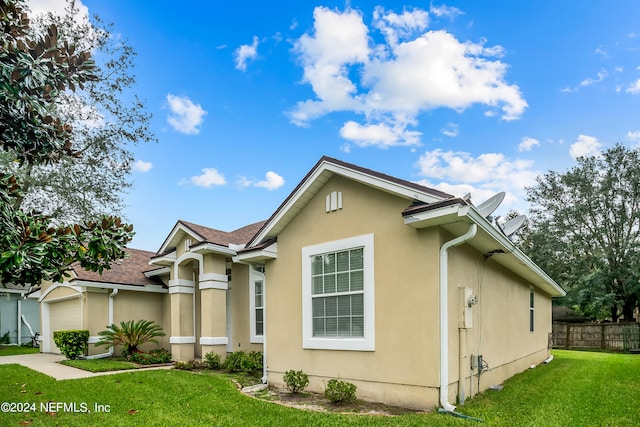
(35, 71)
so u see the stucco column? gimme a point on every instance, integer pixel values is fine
(181, 292)
(213, 286)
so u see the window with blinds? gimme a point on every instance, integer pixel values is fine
(338, 293)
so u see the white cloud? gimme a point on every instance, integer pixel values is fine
(395, 27)
(141, 166)
(459, 173)
(272, 181)
(245, 53)
(451, 130)
(528, 143)
(208, 178)
(379, 135)
(448, 11)
(633, 136)
(589, 81)
(634, 88)
(57, 7)
(186, 116)
(585, 146)
(392, 83)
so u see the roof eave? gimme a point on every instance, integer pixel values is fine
(321, 173)
(208, 248)
(488, 239)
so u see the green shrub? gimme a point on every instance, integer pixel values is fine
(152, 358)
(191, 365)
(72, 343)
(130, 335)
(340, 391)
(212, 360)
(295, 381)
(241, 361)
(5, 339)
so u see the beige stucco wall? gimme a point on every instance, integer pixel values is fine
(500, 329)
(127, 305)
(240, 324)
(404, 368)
(406, 265)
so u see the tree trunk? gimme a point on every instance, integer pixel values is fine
(627, 310)
(614, 313)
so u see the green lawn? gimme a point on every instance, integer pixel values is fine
(12, 350)
(576, 389)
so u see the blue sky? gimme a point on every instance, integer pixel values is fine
(473, 97)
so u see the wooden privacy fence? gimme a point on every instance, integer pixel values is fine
(606, 336)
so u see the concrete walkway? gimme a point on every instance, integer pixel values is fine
(48, 364)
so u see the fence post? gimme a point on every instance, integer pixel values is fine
(566, 342)
(602, 325)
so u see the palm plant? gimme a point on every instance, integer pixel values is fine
(130, 335)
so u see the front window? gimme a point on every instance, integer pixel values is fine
(338, 295)
(531, 310)
(259, 308)
(257, 301)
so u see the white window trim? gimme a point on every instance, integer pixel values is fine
(367, 343)
(532, 310)
(256, 276)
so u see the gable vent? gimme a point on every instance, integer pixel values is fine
(333, 201)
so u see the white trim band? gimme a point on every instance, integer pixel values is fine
(214, 340)
(180, 282)
(181, 290)
(182, 340)
(213, 284)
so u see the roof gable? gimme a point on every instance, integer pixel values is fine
(204, 234)
(326, 168)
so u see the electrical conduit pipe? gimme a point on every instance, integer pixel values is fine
(110, 352)
(444, 314)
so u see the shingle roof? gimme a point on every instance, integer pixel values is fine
(127, 271)
(211, 235)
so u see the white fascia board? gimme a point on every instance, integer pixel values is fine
(179, 227)
(270, 252)
(158, 272)
(147, 288)
(456, 213)
(359, 176)
(512, 249)
(203, 248)
(164, 259)
(378, 182)
(13, 291)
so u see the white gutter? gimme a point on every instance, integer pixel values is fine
(110, 352)
(444, 314)
(265, 374)
(20, 321)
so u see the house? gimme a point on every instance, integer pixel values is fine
(408, 292)
(19, 314)
(91, 301)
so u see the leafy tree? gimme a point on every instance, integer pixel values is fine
(130, 335)
(585, 231)
(35, 69)
(106, 121)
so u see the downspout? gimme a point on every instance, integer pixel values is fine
(20, 321)
(110, 352)
(444, 314)
(265, 376)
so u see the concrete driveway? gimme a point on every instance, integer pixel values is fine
(48, 364)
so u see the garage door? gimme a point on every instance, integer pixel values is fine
(64, 315)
